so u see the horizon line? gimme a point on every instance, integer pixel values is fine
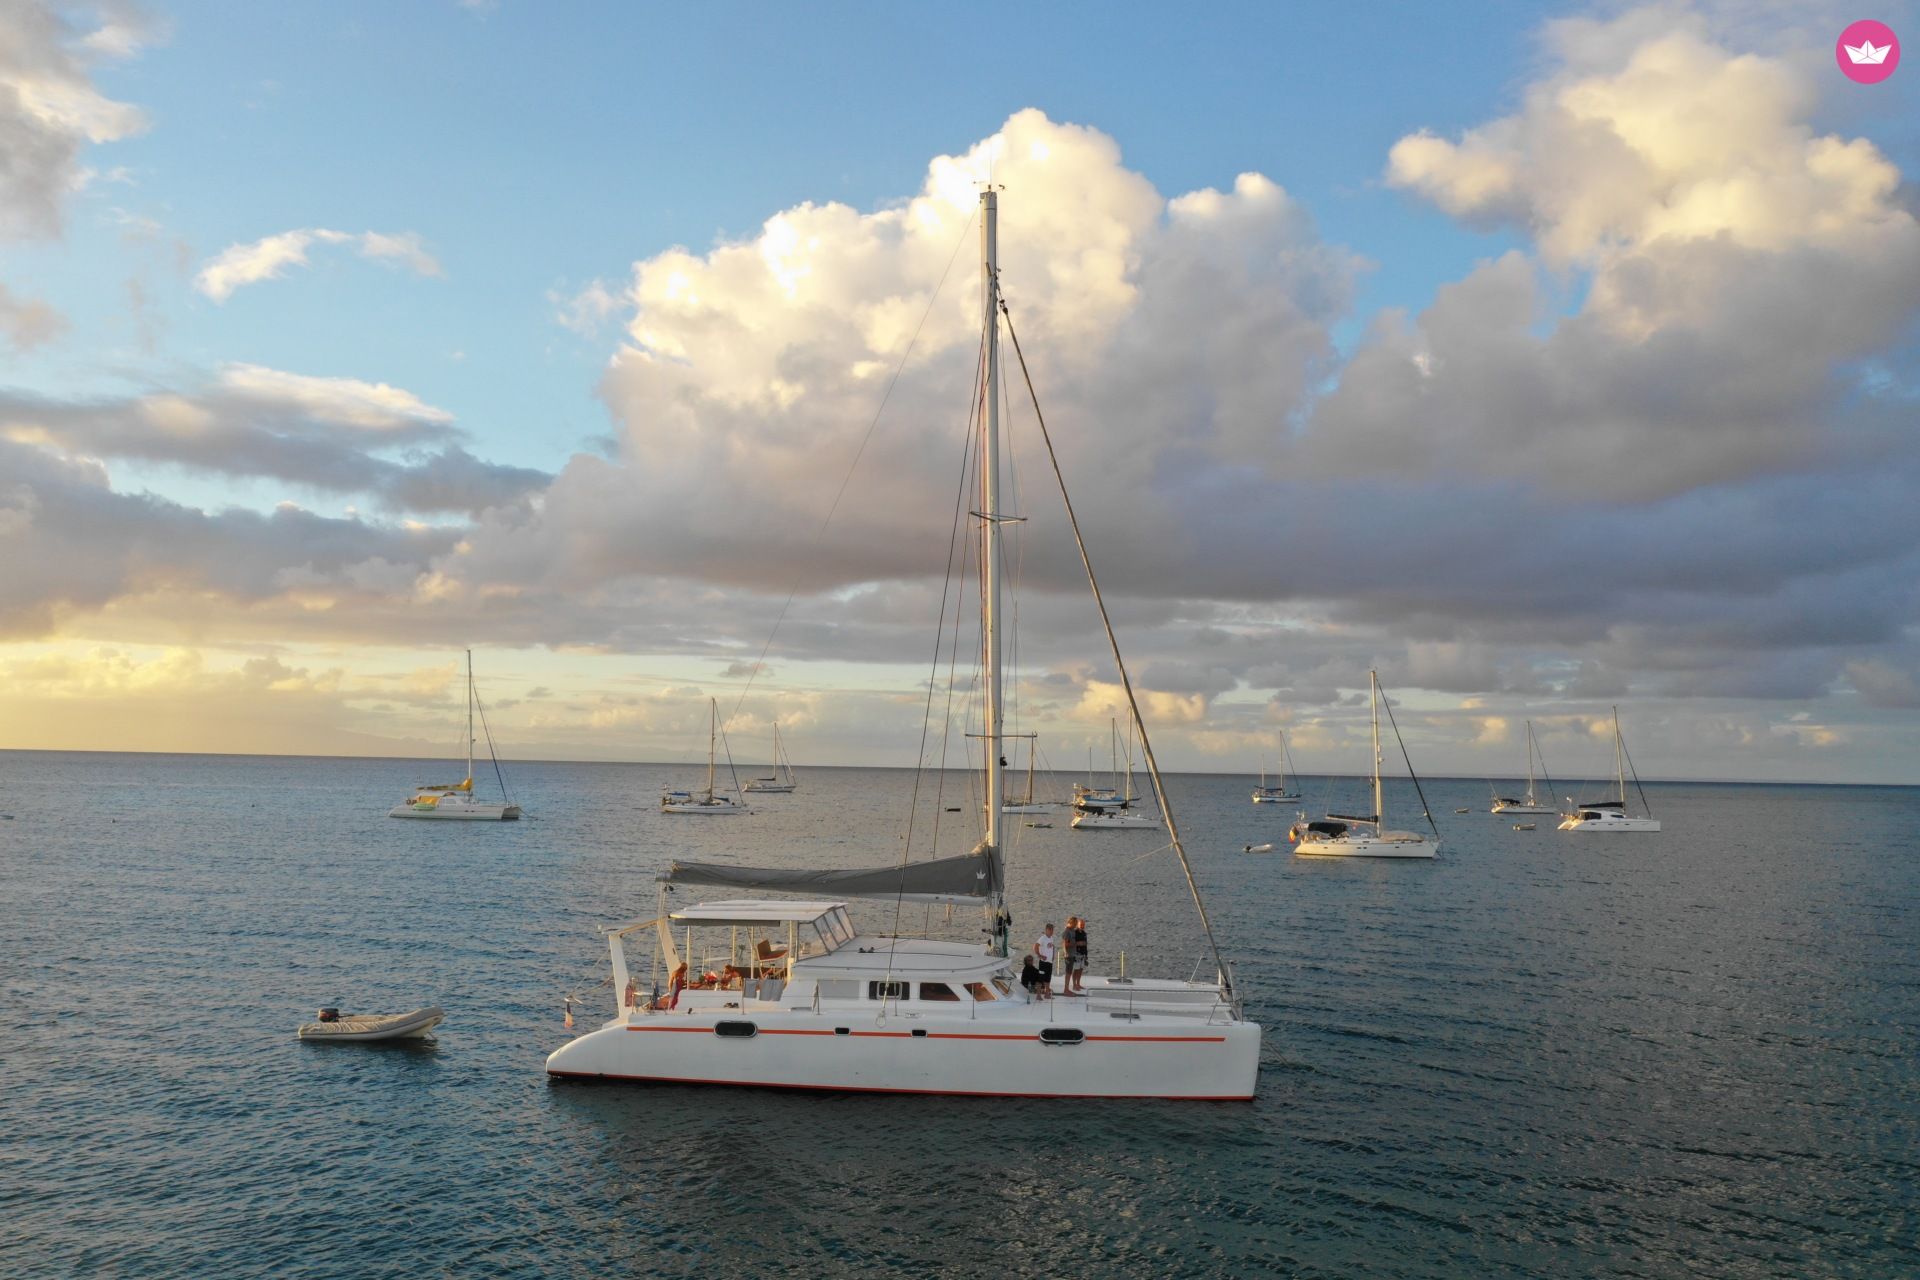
(656, 764)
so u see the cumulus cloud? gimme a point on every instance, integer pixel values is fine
(1736, 264)
(50, 109)
(272, 256)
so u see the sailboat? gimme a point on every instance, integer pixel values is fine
(1347, 835)
(1611, 815)
(1279, 793)
(773, 784)
(708, 802)
(1027, 803)
(1528, 803)
(1112, 809)
(1087, 795)
(789, 993)
(455, 800)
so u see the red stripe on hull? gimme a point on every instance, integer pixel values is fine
(949, 1035)
(943, 1093)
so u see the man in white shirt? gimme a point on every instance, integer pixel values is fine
(1043, 949)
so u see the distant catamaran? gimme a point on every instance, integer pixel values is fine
(1591, 816)
(454, 800)
(775, 783)
(1353, 835)
(1279, 793)
(1528, 803)
(708, 803)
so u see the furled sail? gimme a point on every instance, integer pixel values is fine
(969, 878)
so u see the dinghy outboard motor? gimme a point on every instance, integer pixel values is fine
(327, 1015)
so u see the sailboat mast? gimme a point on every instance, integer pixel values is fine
(469, 719)
(1619, 764)
(1379, 818)
(1529, 762)
(713, 735)
(990, 505)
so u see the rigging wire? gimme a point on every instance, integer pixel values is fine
(1126, 681)
(481, 707)
(1636, 773)
(886, 395)
(1425, 812)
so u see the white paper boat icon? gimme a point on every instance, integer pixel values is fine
(1866, 53)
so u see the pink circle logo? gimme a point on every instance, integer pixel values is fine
(1867, 52)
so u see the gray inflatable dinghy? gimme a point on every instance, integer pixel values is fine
(334, 1026)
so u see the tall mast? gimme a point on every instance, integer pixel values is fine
(990, 504)
(713, 733)
(1619, 764)
(1529, 762)
(469, 719)
(1379, 818)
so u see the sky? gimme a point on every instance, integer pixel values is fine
(1545, 360)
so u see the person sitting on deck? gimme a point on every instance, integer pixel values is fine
(1030, 979)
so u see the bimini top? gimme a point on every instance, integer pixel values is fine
(752, 911)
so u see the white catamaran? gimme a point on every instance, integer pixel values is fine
(748, 991)
(1595, 816)
(1528, 802)
(707, 803)
(780, 781)
(454, 800)
(1347, 835)
(1111, 808)
(1279, 792)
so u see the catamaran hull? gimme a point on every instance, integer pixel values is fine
(1597, 826)
(1368, 847)
(1096, 821)
(458, 813)
(1116, 1059)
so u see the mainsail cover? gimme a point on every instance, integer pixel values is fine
(971, 877)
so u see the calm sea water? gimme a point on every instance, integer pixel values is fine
(1686, 1054)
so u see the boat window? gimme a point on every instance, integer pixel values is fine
(886, 991)
(937, 991)
(839, 989)
(1006, 987)
(981, 991)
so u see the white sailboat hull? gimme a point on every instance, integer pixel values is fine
(705, 810)
(1274, 798)
(1594, 826)
(1396, 845)
(1524, 808)
(988, 1055)
(1114, 820)
(446, 811)
(769, 788)
(1027, 808)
